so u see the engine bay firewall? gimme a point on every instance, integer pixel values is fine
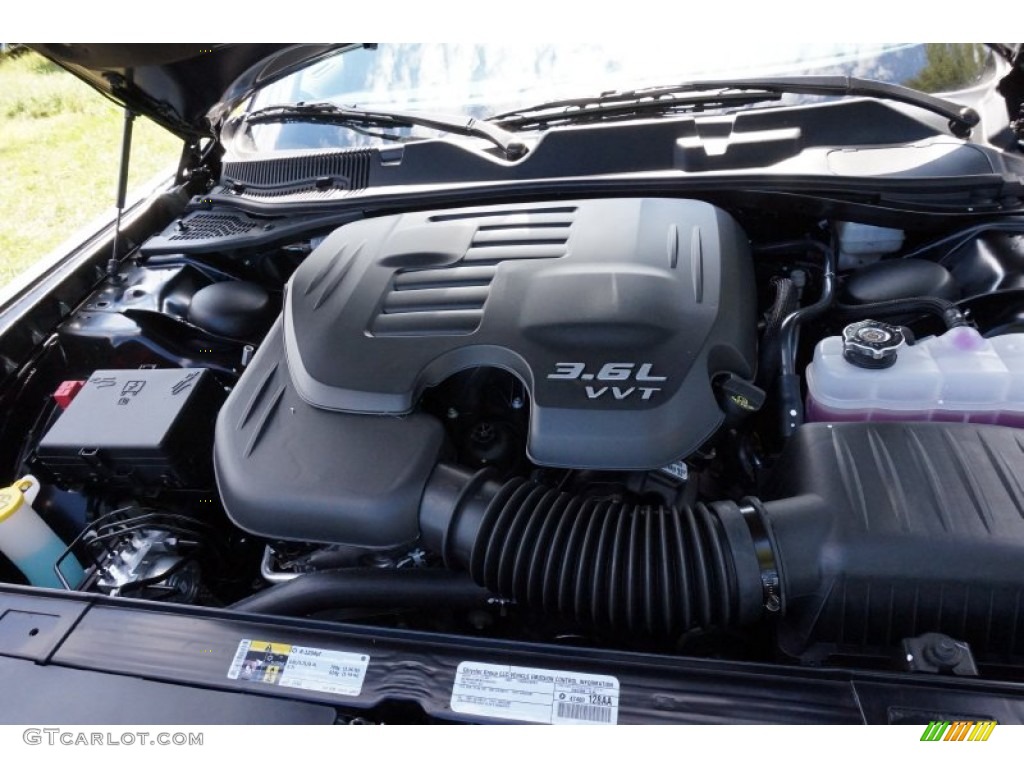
(617, 315)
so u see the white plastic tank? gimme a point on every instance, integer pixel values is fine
(958, 376)
(29, 542)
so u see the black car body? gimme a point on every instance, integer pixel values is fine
(700, 400)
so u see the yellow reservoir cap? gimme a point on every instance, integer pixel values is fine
(12, 497)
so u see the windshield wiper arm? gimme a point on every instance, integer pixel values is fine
(333, 114)
(961, 118)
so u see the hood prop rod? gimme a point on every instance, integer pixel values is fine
(122, 192)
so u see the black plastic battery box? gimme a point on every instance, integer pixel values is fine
(142, 428)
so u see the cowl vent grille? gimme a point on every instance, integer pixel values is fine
(349, 169)
(208, 226)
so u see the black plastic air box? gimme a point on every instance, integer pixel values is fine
(888, 530)
(140, 428)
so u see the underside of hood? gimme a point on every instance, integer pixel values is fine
(186, 87)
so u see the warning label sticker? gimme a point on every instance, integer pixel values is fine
(296, 666)
(535, 695)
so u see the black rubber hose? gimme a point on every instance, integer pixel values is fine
(643, 569)
(947, 311)
(791, 407)
(366, 588)
(784, 303)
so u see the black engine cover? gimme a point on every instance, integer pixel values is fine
(287, 470)
(616, 315)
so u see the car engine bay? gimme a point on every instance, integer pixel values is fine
(660, 423)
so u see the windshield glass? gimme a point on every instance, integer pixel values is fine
(481, 80)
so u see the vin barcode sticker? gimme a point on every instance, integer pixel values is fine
(296, 666)
(535, 695)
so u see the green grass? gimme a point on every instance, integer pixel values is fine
(60, 145)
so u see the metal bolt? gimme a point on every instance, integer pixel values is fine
(452, 413)
(483, 433)
(517, 403)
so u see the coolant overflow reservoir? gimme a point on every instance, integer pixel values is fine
(29, 542)
(958, 376)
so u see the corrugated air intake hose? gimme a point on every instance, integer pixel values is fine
(639, 568)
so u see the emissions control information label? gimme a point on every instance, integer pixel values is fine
(535, 695)
(296, 666)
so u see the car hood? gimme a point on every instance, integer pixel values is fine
(189, 88)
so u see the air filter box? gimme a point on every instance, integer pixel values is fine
(885, 531)
(135, 429)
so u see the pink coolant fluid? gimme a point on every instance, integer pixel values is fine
(958, 376)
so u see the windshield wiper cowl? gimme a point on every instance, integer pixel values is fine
(325, 112)
(961, 118)
(700, 93)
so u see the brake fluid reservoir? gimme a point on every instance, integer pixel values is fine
(29, 542)
(958, 376)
